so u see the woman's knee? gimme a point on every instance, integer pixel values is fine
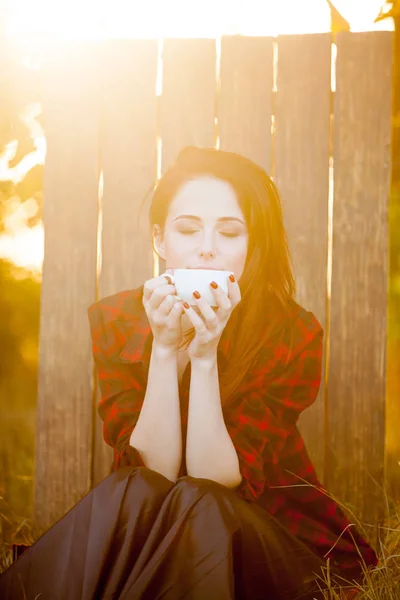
(207, 500)
(143, 481)
(203, 486)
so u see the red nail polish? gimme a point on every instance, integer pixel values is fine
(186, 305)
(196, 295)
(232, 278)
(214, 285)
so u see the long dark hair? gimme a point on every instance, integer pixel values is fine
(267, 285)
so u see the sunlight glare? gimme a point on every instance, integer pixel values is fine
(46, 22)
(55, 21)
(24, 247)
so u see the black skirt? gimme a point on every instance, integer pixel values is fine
(137, 535)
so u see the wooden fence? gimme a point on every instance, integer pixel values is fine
(270, 99)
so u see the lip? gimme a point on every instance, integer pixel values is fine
(206, 268)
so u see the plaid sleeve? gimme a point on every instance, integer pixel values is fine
(268, 411)
(122, 395)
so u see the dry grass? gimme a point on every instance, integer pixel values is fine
(381, 582)
(14, 530)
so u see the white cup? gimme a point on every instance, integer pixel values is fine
(187, 281)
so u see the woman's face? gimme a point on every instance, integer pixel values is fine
(213, 234)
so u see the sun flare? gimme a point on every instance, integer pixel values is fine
(55, 21)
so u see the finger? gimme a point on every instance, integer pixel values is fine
(167, 304)
(227, 301)
(167, 273)
(175, 314)
(225, 306)
(234, 293)
(210, 317)
(222, 299)
(159, 294)
(196, 320)
(153, 284)
(161, 316)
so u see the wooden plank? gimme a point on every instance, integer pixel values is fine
(245, 97)
(64, 411)
(302, 176)
(357, 368)
(129, 161)
(187, 104)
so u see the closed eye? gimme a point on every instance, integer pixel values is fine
(190, 231)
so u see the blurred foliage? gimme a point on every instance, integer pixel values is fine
(19, 310)
(393, 348)
(19, 335)
(386, 13)
(394, 264)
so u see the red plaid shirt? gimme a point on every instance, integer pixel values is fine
(276, 470)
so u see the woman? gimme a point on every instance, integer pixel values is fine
(212, 493)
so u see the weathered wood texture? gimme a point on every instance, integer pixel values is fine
(357, 367)
(302, 124)
(245, 97)
(187, 103)
(129, 163)
(64, 404)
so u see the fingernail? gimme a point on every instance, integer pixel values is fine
(196, 295)
(214, 285)
(232, 278)
(186, 305)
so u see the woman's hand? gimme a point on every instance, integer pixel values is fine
(164, 311)
(211, 323)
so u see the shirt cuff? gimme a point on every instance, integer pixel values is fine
(247, 491)
(129, 457)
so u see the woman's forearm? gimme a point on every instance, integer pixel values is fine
(210, 452)
(158, 434)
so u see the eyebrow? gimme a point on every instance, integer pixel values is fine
(221, 219)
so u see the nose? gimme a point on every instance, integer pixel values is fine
(207, 246)
(207, 254)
